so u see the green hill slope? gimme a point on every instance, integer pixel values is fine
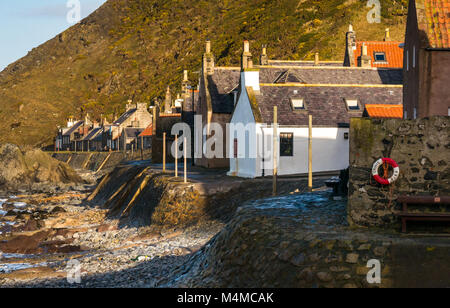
(133, 49)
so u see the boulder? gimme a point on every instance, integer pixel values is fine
(21, 168)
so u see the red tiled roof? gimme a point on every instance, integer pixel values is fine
(393, 51)
(433, 18)
(147, 132)
(384, 111)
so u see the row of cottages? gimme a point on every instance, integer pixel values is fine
(70, 137)
(427, 59)
(130, 130)
(330, 91)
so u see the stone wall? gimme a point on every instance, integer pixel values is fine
(421, 149)
(93, 160)
(270, 249)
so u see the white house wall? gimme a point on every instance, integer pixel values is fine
(329, 147)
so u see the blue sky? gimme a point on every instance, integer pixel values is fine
(25, 24)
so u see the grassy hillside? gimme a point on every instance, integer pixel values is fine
(133, 49)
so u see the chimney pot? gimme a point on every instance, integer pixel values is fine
(350, 28)
(387, 36)
(208, 46)
(185, 75)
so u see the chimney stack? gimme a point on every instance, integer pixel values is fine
(366, 60)
(264, 58)
(350, 47)
(185, 85)
(168, 101)
(316, 59)
(387, 35)
(247, 61)
(208, 60)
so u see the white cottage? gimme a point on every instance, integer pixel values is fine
(330, 93)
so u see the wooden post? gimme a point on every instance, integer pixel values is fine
(164, 152)
(310, 183)
(118, 140)
(185, 160)
(176, 156)
(275, 152)
(142, 148)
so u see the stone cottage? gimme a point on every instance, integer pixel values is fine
(119, 135)
(217, 91)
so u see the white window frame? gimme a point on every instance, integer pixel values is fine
(293, 105)
(350, 108)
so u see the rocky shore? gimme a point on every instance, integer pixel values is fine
(36, 251)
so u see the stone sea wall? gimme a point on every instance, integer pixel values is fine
(421, 149)
(93, 160)
(266, 249)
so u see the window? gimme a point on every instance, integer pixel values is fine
(352, 104)
(286, 144)
(380, 57)
(407, 60)
(298, 103)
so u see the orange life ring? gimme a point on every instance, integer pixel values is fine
(380, 179)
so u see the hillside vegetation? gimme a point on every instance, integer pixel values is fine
(133, 49)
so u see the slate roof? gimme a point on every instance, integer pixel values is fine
(73, 128)
(220, 86)
(384, 111)
(131, 132)
(433, 18)
(392, 50)
(94, 134)
(326, 104)
(125, 116)
(331, 76)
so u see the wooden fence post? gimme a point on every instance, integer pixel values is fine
(185, 160)
(275, 152)
(164, 152)
(310, 182)
(176, 156)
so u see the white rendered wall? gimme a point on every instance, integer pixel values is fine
(330, 151)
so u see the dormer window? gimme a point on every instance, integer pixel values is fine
(380, 57)
(298, 103)
(352, 104)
